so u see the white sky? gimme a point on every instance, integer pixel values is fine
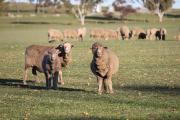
(109, 2)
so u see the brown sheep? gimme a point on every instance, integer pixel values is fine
(125, 33)
(104, 64)
(51, 66)
(34, 56)
(81, 33)
(54, 34)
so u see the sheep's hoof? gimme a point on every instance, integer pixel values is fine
(61, 83)
(100, 92)
(111, 92)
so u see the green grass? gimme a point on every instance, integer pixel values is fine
(147, 85)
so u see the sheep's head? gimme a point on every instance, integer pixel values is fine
(65, 48)
(53, 54)
(98, 49)
(163, 31)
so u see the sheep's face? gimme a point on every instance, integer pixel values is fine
(67, 47)
(53, 54)
(162, 31)
(98, 49)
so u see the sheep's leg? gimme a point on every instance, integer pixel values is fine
(55, 80)
(163, 37)
(105, 83)
(60, 80)
(25, 76)
(100, 85)
(48, 81)
(110, 85)
(34, 72)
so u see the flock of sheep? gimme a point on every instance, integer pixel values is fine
(50, 60)
(121, 33)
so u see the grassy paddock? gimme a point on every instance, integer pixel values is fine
(147, 85)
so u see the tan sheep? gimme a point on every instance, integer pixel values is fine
(138, 32)
(69, 33)
(81, 33)
(177, 37)
(104, 64)
(163, 33)
(54, 34)
(97, 33)
(152, 33)
(125, 33)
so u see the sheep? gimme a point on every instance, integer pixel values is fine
(51, 66)
(162, 34)
(104, 64)
(81, 33)
(54, 34)
(152, 33)
(124, 31)
(177, 37)
(96, 33)
(34, 58)
(68, 33)
(138, 32)
(113, 34)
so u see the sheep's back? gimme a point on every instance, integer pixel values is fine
(34, 55)
(113, 61)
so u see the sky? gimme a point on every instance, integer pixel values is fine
(176, 5)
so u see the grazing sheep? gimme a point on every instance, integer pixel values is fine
(177, 37)
(162, 35)
(54, 34)
(34, 57)
(152, 33)
(104, 64)
(96, 33)
(73, 34)
(125, 33)
(51, 66)
(113, 34)
(138, 32)
(81, 33)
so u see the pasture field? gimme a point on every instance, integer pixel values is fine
(147, 85)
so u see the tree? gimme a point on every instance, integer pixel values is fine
(124, 10)
(81, 10)
(158, 6)
(3, 6)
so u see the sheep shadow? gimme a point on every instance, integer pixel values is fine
(160, 89)
(31, 85)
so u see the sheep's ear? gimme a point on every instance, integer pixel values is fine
(59, 47)
(72, 46)
(105, 47)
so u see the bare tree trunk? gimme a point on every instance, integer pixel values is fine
(82, 20)
(160, 15)
(81, 14)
